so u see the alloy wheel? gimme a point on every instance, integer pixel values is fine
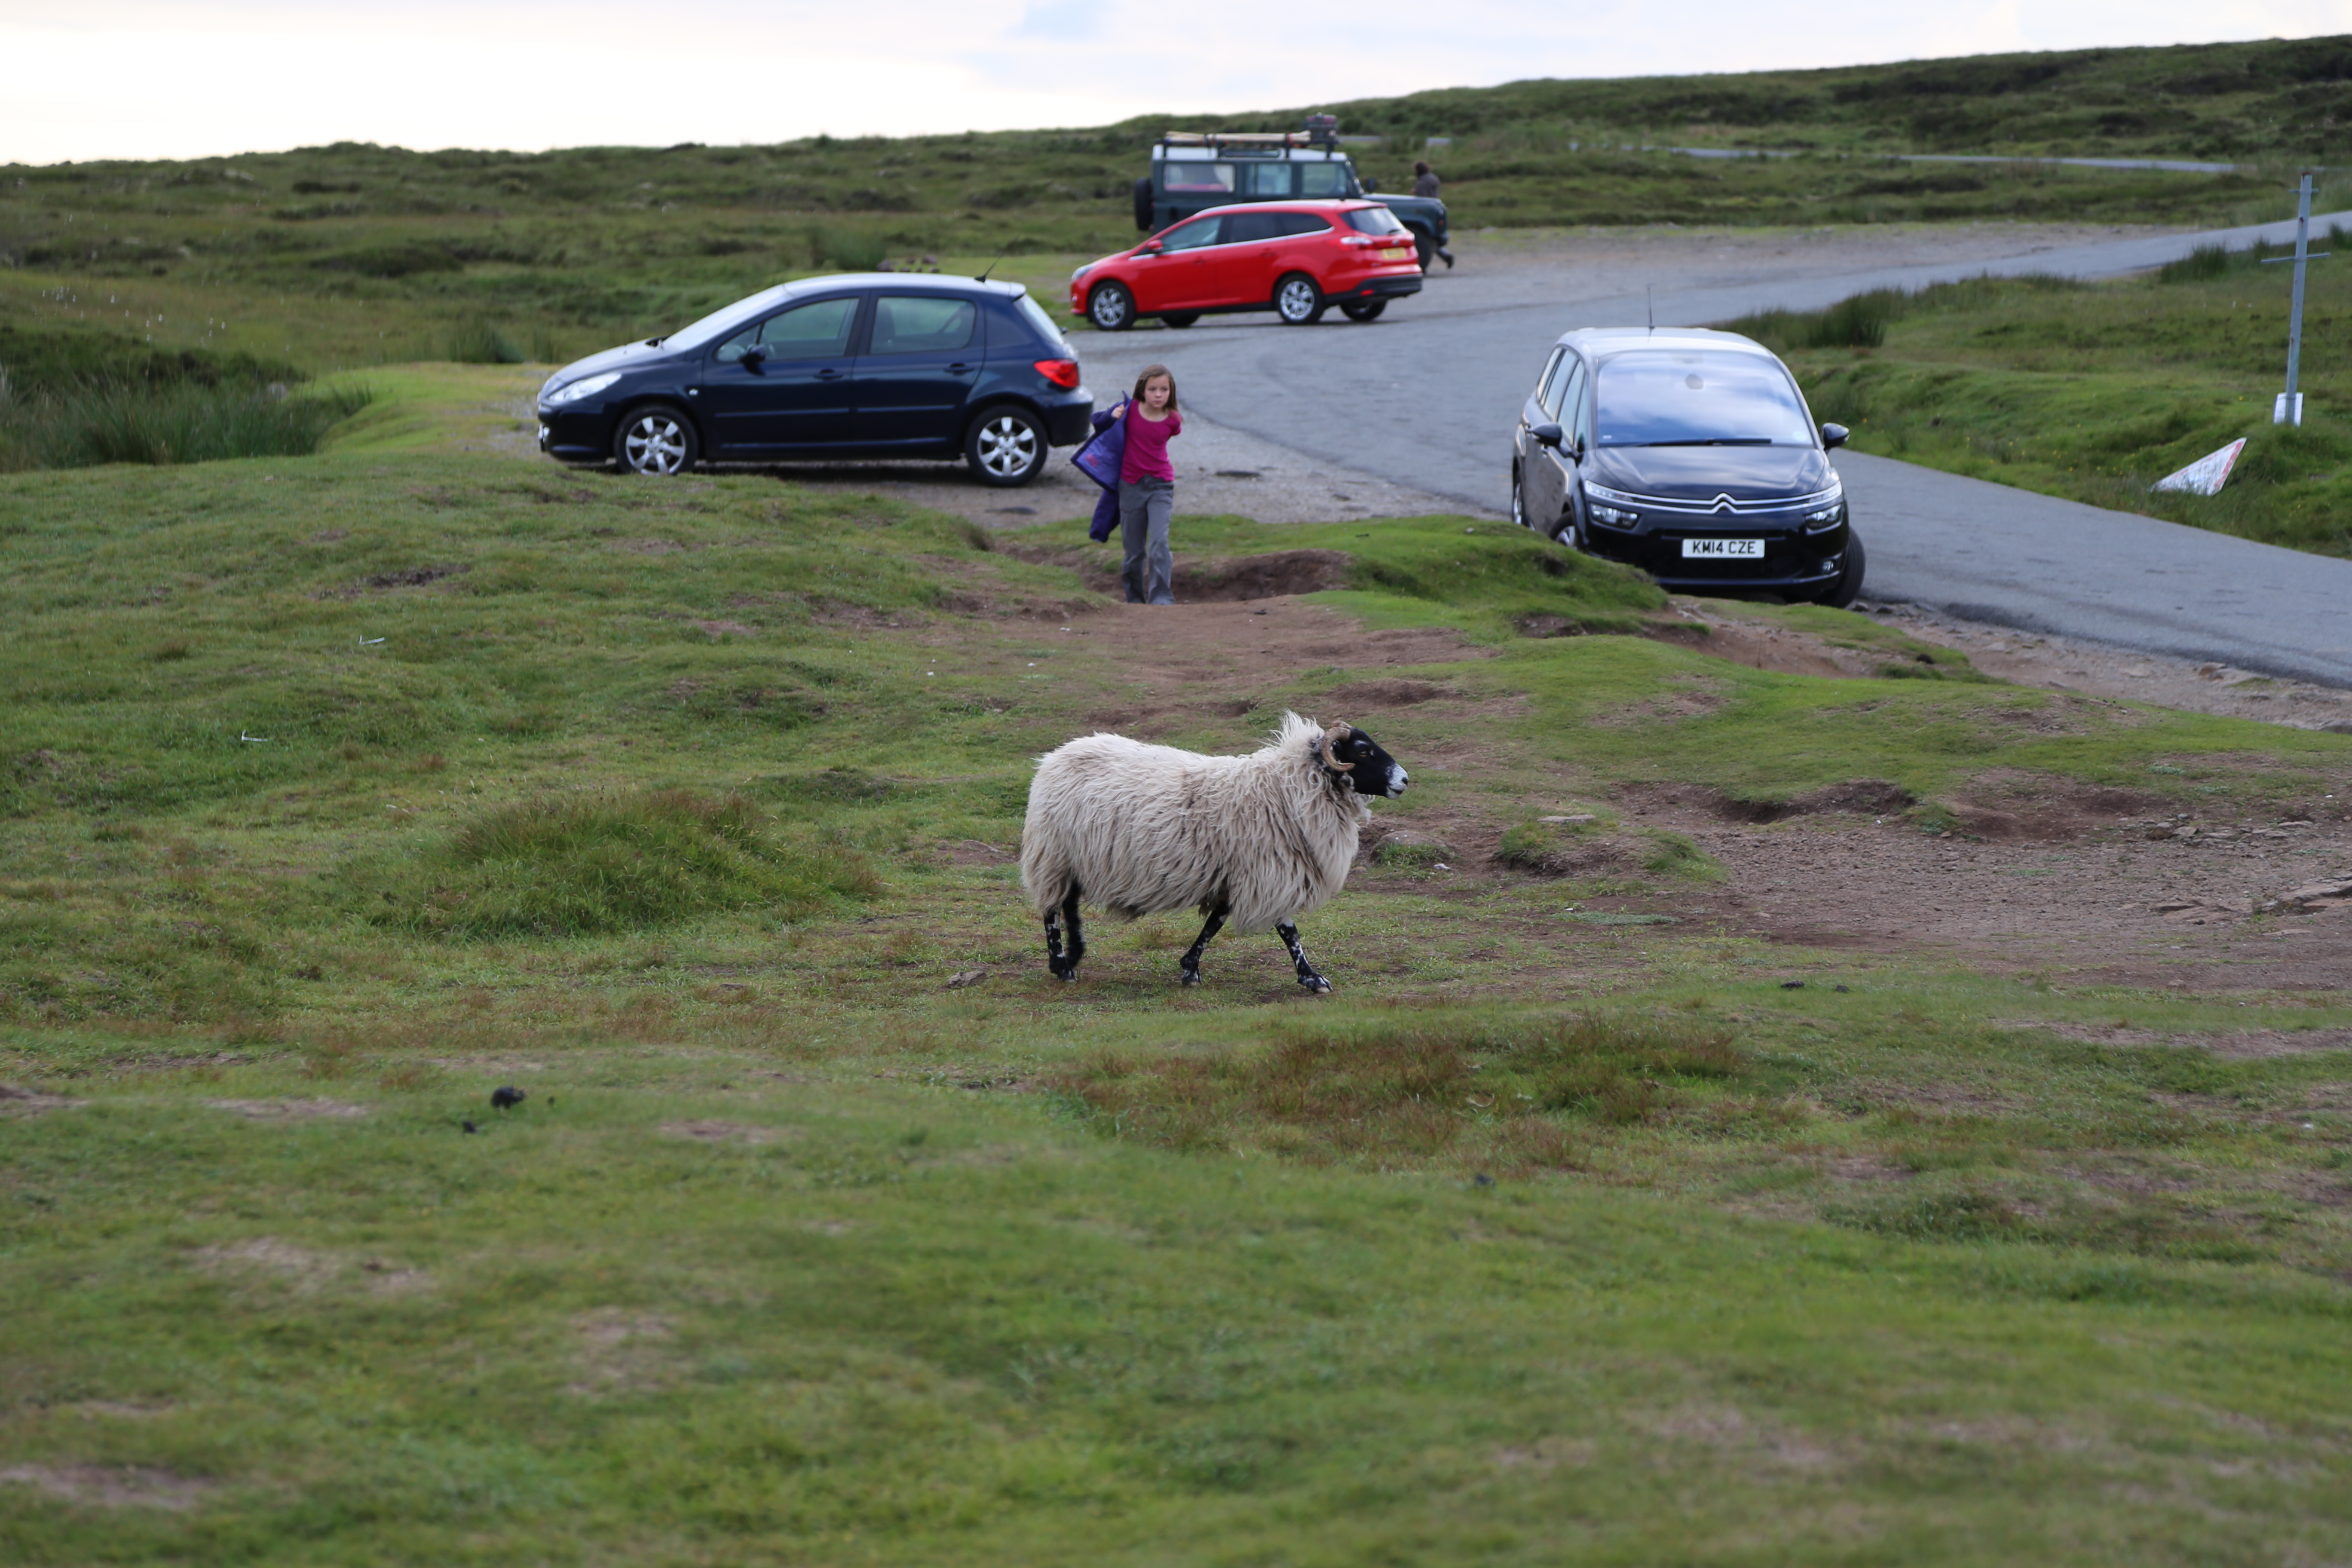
(656, 444)
(1296, 301)
(1006, 447)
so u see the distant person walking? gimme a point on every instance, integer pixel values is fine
(1426, 183)
(1147, 489)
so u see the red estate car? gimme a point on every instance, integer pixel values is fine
(1295, 258)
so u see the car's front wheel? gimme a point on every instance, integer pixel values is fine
(1518, 499)
(1298, 301)
(1842, 593)
(1182, 318)
(1111, 307)
(1006, 445)
(655, 439)
(1364, 311)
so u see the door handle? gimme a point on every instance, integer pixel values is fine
(961, 366)
(831, 374)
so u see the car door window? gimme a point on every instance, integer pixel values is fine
(1201, 179)
(1266, 181)
(1577, 415)
(1201, 231)
(1323, 179)
(819, 330)
(1250, 229)
(1555, 382)
(919, 324)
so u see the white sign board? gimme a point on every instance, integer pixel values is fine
(2207, 474)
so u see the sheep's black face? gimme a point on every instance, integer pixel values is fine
(1369, 768)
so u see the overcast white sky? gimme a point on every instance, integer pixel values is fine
(179, 78)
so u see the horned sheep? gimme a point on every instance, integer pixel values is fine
(1256, 841)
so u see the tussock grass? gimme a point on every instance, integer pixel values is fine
(1461, 1091)
(575, 866)
(173, 422)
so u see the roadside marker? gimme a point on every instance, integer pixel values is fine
(2288, 409)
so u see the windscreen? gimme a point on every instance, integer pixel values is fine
(1667, 397)
(718, 322)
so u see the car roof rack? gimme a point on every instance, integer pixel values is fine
(1322, 131)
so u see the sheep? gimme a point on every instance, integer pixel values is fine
(1257, 840)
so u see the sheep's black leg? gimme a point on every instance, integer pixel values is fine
(1190, 972)
(1077, 932)
(1065, 965)
(1307, 976)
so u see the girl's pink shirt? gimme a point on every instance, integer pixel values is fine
(1146, 445)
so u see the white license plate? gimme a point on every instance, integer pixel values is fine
(1723, 550)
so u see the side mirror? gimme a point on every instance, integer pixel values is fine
(1834, 436)
(1549, 435)
(754, 356)
(1149, 248)
(1370, 184)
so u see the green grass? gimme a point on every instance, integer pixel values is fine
(2094, 391)
(691, 797)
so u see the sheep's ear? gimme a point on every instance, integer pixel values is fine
(1333, 738)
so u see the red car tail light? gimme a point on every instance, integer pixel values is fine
(1062, 373)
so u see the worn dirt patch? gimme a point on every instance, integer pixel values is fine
(722, 1132)
(1233, 579)
(288, 1109)
(2003, 804)
(1212, 651)
(1369, 696)
(1870, 798)
(715, 630)
(26, 1102)
(413, 577)
(112, 1485)
(619, 1349)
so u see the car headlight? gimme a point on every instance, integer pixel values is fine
(1619, 497)
(587, 386)
(1080, 274)
(1829, 517)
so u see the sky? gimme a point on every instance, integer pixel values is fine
(186, 79)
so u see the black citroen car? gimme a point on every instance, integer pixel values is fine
(865, 365)
(1691, 455)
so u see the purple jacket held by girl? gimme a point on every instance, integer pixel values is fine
(1099, 460)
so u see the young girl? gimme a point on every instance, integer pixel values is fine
(1147, 488)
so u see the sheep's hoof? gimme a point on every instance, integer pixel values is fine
(1189, 977)
(1318, 985)
(1061, 973)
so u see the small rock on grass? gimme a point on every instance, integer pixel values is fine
(962, 978)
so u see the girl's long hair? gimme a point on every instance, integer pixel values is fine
(1144, 380)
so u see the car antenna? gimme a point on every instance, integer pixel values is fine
(990, 267)
(1649, 299)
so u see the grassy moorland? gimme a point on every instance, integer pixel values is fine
(354, 254)
(2094, 391)
(338, 790)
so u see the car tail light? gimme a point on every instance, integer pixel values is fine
(1062, 373)
(1359, 240)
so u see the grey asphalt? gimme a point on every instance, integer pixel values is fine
(1427, 398)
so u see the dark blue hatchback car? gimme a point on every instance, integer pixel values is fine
(863, 365)
(1691, 455)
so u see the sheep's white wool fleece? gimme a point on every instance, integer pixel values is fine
(1142, 829)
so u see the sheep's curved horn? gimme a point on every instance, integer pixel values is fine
(1332, 737)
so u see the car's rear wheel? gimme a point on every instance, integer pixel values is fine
(1518, 499)
(1425, 245)
(1006, 445)
(1182, 318)
(1298, 301)
(1364, 311)
(655, 439)
(1111, 307)
(1842, 593)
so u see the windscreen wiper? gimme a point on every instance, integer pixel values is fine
(1715, 441)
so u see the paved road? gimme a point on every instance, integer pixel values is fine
(1427, 398)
